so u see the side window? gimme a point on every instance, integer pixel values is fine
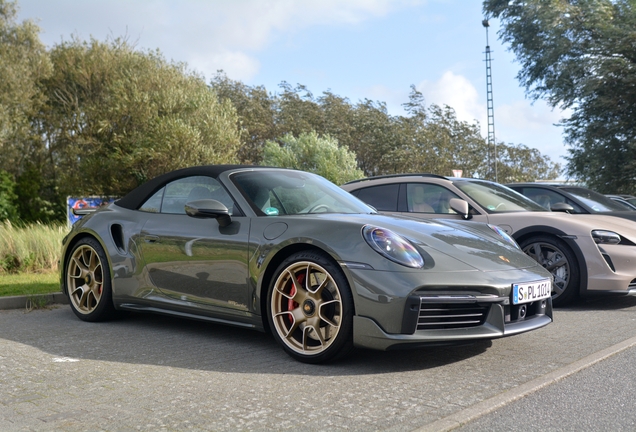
(153, 204)
(428, 198)
(383, 198)
(547, 198)
(176, 194)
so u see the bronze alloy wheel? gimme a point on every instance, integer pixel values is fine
(308, 309)
(558, 260)
(88, 281)
(85, 279)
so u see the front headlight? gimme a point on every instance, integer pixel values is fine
(504, 235)
(392, 246)
(605, 237)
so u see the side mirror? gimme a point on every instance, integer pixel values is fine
(209, 208)
(460, 206)
(562, 207)
(83, 211)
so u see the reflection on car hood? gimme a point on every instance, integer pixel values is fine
(468, 242)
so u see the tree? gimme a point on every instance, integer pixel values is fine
(256, 110)
(8, 198)
(439, 142)
(309, 152)
(520, 163)
(116, 117)
(23, 63)
(427, 139)
(579, 54)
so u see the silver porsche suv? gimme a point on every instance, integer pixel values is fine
(586, 254)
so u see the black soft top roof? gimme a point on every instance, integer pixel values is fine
(139, 195)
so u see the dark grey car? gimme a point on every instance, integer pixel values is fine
(580, 199)
(289, 252)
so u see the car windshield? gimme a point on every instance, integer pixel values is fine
(624, 203)
(282, 192)
(596, 201)
(495, 198)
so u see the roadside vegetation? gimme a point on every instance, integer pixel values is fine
(30, 248)
(29, 284)
(29, 255)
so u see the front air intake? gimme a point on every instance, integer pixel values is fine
(607, 258)
(449, 316)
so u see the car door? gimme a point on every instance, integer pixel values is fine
(384, 197)
(196, 260)
(416, 199)
(425, 198)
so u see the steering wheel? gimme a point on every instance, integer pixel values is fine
(501, 206)
(317, 207)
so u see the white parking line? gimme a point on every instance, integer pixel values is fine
(64, 360)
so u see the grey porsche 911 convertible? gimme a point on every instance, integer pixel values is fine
(289, 252)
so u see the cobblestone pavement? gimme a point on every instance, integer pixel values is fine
(149, 372)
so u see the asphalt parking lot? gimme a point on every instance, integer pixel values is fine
(148, 372)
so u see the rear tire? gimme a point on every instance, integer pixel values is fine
(87, 281)
(557, 257)
(310, 308)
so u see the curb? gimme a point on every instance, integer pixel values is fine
(27, 302)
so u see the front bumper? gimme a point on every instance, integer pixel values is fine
(497, 322)
(611, 269)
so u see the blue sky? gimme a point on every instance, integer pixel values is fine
(360, 49)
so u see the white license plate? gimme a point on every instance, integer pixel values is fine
(532, 291)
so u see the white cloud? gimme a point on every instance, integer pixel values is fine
(519, 122)
(457, 92)
(235, 64)
(527, 116)
(208, 35)
(533, 125)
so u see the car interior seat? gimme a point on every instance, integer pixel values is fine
(417, 203)
(261, 198)
(199, 193)
(543, 201)
(444, 203)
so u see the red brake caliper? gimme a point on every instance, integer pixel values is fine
(291, 304)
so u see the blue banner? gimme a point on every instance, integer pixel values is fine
(84, 203)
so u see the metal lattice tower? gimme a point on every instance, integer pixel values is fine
(492, 157)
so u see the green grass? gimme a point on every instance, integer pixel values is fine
(33, 248)
(28, 284)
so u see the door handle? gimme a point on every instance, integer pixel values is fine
(151, 238)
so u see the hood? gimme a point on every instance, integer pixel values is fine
(570, 224)
(629, 214)
(468, 242)
(620, 225)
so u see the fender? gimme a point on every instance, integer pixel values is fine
(567, 238)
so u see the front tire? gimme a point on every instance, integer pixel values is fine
(310, 308)
(87, 281)
(557, 257)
